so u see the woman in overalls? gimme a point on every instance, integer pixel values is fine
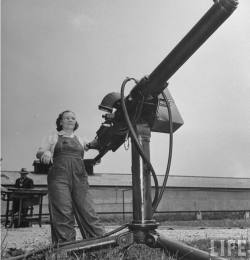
(68, 187)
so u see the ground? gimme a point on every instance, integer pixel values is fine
(36, 237)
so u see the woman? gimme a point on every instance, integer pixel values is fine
(68, 182)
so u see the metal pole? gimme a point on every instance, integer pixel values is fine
(141, 180)
(20, 211)
(7, 210)
(142, 222)
(40, 209)
(183, 251)
(123, 206)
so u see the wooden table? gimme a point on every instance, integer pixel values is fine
(21, 194)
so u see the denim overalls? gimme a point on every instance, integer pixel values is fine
(69, 196)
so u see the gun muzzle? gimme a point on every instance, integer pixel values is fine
(206, 26)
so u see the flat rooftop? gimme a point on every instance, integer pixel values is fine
(125, 180)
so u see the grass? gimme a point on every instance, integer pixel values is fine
(132, 252)
(234, 221)
(138, 251)
(3, 245)
(135, 251)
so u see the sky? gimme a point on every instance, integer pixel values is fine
(61, 54)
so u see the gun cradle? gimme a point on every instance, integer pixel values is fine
(113, 132)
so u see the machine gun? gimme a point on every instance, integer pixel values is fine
(147, 97)
(150, 107)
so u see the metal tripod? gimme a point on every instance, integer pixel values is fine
(142, 229)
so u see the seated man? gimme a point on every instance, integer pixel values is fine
(25, 183)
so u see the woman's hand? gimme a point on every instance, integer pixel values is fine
(46, 158)
(93, 144)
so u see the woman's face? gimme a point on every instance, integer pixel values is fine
(68, 121)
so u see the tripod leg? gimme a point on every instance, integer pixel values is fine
(184, 251)
(124, 239)
(87, 244)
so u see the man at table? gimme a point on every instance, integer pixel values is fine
(23, 182)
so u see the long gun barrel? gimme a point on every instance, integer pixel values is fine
(206, 26)
(113, 131)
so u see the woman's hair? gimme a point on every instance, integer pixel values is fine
(59, 119)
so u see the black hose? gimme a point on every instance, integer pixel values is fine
(137, 143)
(115, 230)
(158, 196)
(170, 151)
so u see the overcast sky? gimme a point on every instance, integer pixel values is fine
(60, 54)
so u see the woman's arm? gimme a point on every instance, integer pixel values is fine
(87, 145)
(46, 150)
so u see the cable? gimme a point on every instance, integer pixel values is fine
(158, 196)
(134, 136)
(115, 230)
(136, 141)
(170, 151)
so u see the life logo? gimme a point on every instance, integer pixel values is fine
(230, 249)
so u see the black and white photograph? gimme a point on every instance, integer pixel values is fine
(125, 129)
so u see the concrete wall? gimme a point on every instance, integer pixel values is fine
(110, 199)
